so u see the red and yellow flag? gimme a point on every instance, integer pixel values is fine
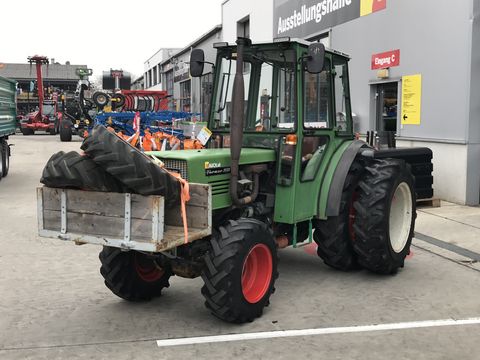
(370, 6)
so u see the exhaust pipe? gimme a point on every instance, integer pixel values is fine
(237, 125)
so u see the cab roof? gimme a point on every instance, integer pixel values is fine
(282, 40)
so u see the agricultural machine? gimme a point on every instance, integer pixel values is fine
(78, 111)
(47, 117)
(279, 169)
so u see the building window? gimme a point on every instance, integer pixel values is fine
(169, 81)
(206, 95)
(159, 74)
(322, 38)
(185, 96)
(155, 76)
(243, 28)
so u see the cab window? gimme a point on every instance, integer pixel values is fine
(317, 105)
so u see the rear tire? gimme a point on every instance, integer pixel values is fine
(53, 131)
(1, 158)
(71, 170)
(130, 166)
(240, 270)
(65, 131)
(385, 218)
(5, 158)
(334, 236)
(131, 275)
(27, 131)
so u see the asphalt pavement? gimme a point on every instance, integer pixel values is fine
(53, 302)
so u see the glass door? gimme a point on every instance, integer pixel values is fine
(386, 106)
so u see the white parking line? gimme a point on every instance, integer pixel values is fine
(320, 331)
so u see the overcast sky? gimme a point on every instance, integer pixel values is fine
(101, 34)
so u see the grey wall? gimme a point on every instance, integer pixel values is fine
(433, 36)
(473, 133)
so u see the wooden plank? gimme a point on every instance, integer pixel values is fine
(107, 226)
(197, 217)
(429, 203)
(196, 209)
(98, 218)
(199, 194)
(98, 203)
(174, 237)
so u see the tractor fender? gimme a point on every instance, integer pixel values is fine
(339, 176)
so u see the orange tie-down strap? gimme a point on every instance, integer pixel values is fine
(184, 196)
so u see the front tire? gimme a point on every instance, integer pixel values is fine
(131, 275)
(385, 218)
(240, 271)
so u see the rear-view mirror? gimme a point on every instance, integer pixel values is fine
(315, 58)
(197, 62)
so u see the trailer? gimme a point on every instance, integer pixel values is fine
(8, 114)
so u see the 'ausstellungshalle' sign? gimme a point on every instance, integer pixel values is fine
(303, 18)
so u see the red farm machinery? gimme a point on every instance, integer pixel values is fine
(46, 117)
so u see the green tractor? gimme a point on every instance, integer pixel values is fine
(281, 167)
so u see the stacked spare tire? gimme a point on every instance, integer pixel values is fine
(110, 164)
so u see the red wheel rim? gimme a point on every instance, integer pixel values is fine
(257, 273)
(147, 270)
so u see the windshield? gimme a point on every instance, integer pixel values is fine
(48, 110)
(269, 77)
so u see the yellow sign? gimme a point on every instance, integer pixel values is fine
(411, 99)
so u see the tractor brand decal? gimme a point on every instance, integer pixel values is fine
(304, 18)
(209, 165)
(215, 168)
(217, 171)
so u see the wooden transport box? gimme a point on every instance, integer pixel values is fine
(127, 221)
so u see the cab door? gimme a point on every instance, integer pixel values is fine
(315, 135)
(327, 130)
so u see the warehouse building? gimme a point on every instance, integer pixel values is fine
(415, 69)
(172, 74)
(56, 77)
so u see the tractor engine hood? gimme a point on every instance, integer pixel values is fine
(207, 165)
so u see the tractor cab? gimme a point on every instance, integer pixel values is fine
(291, 97)
(49, 109)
